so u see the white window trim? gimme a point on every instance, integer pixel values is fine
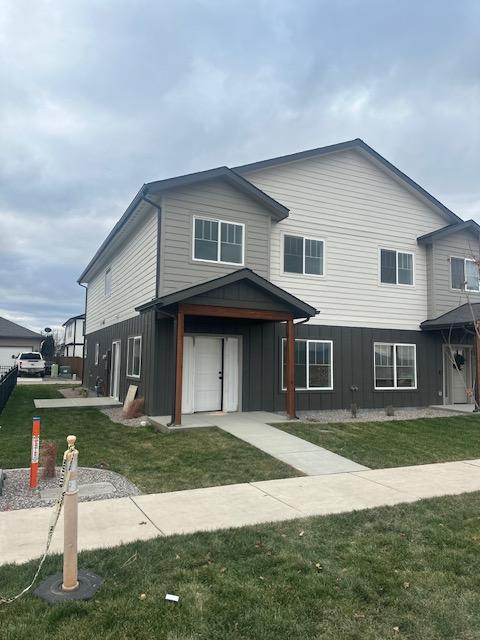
(132, 375)
(464, 288)
(394, 345)
(396, 284)
(108, 270)
(306, 275)
(97, 353)
(219, 241)
(308, 387)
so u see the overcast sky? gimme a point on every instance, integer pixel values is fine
(98, 97)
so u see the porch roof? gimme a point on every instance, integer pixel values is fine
(216, 292)
(463, 316)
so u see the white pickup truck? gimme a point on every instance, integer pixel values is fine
(30, 363)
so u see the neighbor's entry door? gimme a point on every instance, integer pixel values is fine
(115, 371)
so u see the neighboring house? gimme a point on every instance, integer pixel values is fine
(13, 339)
(73, 337)
(198, 292)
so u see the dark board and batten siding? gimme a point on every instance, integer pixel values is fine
(144, 326)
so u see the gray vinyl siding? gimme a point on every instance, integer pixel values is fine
(133, 267)
(216, 200)
(460, 245)
(357, 208)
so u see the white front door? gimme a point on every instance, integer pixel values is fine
(208, 374)
(115, 371)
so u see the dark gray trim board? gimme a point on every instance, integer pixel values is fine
(468, 225)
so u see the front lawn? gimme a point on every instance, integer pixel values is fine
(155, 462)
(409, 571)
(396, 443)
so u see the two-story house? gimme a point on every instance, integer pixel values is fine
(304, 282)
(73, 336)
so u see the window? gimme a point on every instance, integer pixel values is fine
(218, 241)
(464, 274)
(395, 366)
(97, 351)
(134, 356)
(303, 255)
(108, 282)
(396, 267)
(313, 364)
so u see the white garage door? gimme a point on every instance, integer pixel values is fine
(6, 355)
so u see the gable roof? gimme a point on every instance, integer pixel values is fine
(81, 316)
(468, 225)
(302, 308)
(359, 145)
(464, 315)
(9, 329)
(235, 176)
(277, 210)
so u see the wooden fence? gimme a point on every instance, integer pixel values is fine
(7, 385)
(75, 363)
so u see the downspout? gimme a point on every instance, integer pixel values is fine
(159, 215)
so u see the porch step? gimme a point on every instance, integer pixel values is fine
(455, 408)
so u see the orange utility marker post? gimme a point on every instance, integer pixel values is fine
(35, 452)
(72, 584)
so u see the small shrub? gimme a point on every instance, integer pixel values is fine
(134, 409)
(354, 409)
(390, 411)
(48, 457)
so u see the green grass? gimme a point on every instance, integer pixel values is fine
(155, 462)
(358, 576)
(396, 443)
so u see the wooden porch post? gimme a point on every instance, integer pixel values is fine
(179, 367)
(477, 366)
(290, 369)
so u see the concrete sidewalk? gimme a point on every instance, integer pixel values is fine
(75, 403)
(109, 523)
(255, 427)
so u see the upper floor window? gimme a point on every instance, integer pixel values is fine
(313, 364)
(303, 255)
(395, 366)
(134, 356)
(108, 282)
(396, 267)
(464, 274)
(218, 241)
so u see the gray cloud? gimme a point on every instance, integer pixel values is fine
(97, 98)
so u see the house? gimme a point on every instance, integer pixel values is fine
(304, 282)
(73, 336)
(13, 339)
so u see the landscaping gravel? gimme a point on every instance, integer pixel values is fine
(116, 415)
(374, 415)
(18, 495)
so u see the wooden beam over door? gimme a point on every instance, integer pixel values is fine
(234, 312)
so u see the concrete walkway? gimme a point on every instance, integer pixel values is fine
(76, 403)
(455, 408)
(109, 523)
(253, 427)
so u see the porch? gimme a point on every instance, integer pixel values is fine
(220, 347)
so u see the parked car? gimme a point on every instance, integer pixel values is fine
(30, 363)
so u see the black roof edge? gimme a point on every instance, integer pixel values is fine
(356, 143)
(80, 316)
(441, 322)
(202, 287)
(448, 230)
(278, 210)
